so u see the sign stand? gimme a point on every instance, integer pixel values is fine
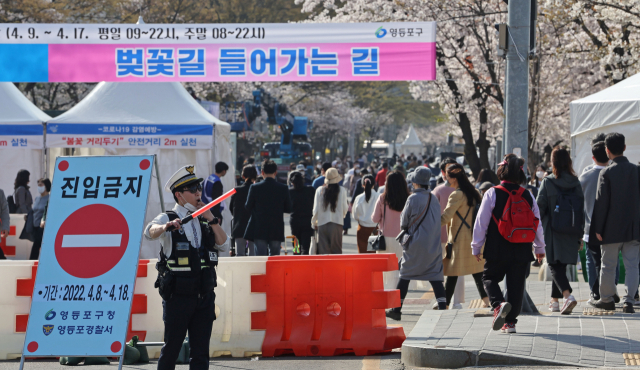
(88, 266)
(155, 164)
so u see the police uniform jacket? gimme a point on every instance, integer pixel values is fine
(180, 248)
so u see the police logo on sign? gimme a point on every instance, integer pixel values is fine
(47, 329)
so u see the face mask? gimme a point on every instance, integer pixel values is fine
(446, 183)
(41, 189)
(190, 207)
(539, 174)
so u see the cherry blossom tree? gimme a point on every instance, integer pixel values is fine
(470, 74)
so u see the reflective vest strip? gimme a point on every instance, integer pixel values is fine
(179, 268)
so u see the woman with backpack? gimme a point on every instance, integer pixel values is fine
(422, 253)
(561, 204)
(508, 226)
(458, 217)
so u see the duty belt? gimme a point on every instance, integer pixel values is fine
(175, 268)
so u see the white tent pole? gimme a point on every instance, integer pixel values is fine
(155, 163)
(45, 152)
(213, 150)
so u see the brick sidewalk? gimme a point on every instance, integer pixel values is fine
(568, 339)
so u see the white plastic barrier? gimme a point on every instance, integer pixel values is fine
(231, 332)
(20, 249)
(11, 305)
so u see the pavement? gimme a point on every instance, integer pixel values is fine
(455, 338)
(586, 338)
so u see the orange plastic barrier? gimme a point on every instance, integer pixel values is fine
(326, 305)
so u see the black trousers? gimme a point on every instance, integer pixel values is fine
(303, 234)
(438, 290)
(37, 242)
(596, 253)
(450, 286)
(182, 314)
(516, 274)
(560, 280)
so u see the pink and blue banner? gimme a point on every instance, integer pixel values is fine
(224, 52)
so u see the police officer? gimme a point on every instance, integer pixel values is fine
(186, 270)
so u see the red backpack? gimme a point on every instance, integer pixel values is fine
(517, 224)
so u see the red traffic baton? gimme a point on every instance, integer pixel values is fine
(204, 209)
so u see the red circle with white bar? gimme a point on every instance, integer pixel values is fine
(91, 241)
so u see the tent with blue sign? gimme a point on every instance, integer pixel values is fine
(130, 118)
(21, 137)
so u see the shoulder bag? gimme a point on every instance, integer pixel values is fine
(377, 242)
(404, 238)
(11, 202)
(449, 247)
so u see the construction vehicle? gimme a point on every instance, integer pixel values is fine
(292, 147)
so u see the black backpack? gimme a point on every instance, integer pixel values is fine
(568, 215)
(12, 204)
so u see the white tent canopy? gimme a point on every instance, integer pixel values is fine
(614, 109)
(411, 143)
(21, 133)
(161, 118)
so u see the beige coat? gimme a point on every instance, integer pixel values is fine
(462, 261)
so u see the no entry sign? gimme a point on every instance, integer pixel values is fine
(84, 286)
(86, 248)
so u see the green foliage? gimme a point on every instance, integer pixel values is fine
(394, 98)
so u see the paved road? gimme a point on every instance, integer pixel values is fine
(391, 361)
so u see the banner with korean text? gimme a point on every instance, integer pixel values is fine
(397, 51)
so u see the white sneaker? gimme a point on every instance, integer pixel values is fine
(569, 304)
(554, 306)
(435, 306)
(456, 306)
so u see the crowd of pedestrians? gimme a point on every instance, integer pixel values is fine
(440, 222)
(492, 227)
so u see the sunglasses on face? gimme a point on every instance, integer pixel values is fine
(193, 188)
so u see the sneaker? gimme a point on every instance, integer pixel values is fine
(509, 328)
(569, 304)
(535, 263)
(616, 298)
(393, 314)
(456, 306)
(435, 306)
(592, 301)
(628, 308)
(554, 306)
(609, 306)
(499, 314)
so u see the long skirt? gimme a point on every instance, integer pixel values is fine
(391, 277)
(330, 238)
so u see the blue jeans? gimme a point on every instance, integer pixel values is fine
(267, 248)
(594, 264)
